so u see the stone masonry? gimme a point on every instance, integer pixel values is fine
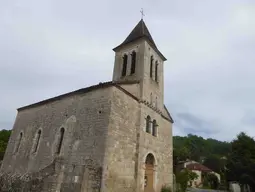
(105, 143)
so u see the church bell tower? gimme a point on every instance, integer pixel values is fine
(138, 58)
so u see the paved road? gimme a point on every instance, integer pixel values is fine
(202, 190)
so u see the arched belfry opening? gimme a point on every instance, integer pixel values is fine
(149, 173)
(134, 63)
(124, 67)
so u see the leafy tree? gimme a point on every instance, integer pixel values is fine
(197, 148)
(4, 138)
(181, 154)
(210, 152)
(241, 161)
(184, 177)
(215, 162)
(211, 180)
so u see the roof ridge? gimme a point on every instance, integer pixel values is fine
(82, 90)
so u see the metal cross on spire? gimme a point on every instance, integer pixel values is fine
(142, 14)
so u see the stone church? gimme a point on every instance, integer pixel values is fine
(110, 137)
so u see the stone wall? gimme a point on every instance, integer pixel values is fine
(137, 46)
(153, 91)
(128, 144)
(58, 176)
(84, 117)
(150, 90)
(160, 147)
(133, 89)
(121, 144)
(26, 182)
(104, 145)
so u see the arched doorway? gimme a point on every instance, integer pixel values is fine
(149, 173)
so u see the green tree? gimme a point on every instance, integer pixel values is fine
(198, 148)
(181, 154)
(210, 152)
(241, 161)
(215, 163)
(184, 177)
(211, 180)
(4, 138)
(166, 189)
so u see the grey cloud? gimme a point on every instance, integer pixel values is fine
(248, 118)
(190, 123)
(52, 47)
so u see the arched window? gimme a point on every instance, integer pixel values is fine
(60, 141)
(154, 128)
(151, 66)
(133, 61)
(148, 124)
(156, 71)
(124, 67)
(150, 160)
(156, 102)
(151, 98)
(18, 142)
(37, 140)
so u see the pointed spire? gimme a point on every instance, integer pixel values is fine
(140, 31)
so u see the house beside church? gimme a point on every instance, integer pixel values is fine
(109, 137)
(198, 168)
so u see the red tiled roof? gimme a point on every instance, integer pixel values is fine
(198, 167)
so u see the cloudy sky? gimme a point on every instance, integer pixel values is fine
(51, 47)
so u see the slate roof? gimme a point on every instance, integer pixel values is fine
(92, 88)
(80, 91)
(169, 114)
(140, 31)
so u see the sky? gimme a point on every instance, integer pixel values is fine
(51, 47)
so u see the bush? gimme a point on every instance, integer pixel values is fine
(211, 181)
(184, 177)
(166, 189)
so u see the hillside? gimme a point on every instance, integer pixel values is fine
(4, 138)
(210, 152)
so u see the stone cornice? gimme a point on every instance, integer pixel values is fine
(148, 104)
